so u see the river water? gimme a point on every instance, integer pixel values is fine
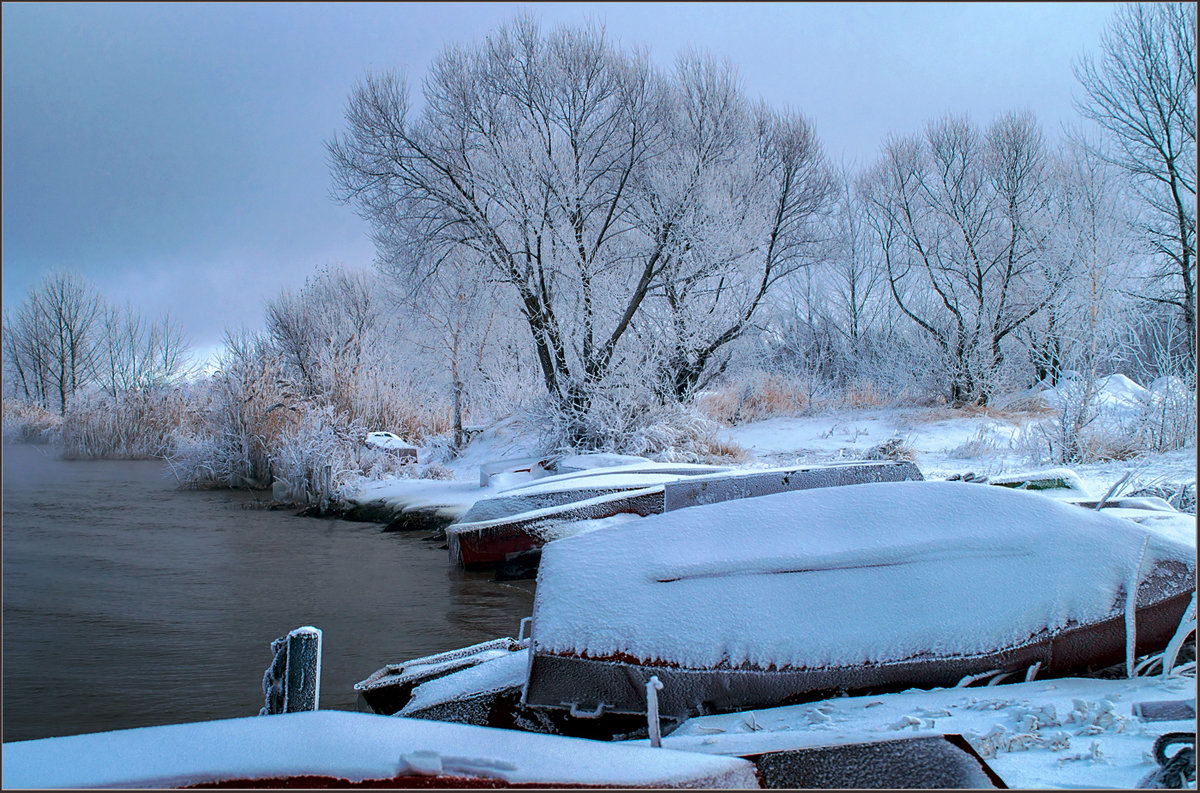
(128, 602)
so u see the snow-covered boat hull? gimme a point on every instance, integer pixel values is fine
(339, 749)
(389, 689)
(487, 544)
(619, 687)
(795, 596)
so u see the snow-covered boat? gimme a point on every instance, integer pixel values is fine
(788, 597)
(527, 517)
(390, 688)
(327, 748)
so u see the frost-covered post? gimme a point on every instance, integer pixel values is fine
(326, 487)
(653, 686)
(292, 682)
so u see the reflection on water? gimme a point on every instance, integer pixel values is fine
(128, 602)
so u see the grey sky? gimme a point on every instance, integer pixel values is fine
(173, 153)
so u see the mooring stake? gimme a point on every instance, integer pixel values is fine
(653, 686)
(292, 683)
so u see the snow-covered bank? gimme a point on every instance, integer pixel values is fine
(942, 441)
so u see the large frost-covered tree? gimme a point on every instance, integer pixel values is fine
(587, 183)
(961, 216)
(1142, 92)
(736, 194)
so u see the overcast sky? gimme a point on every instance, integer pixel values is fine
(173, 153)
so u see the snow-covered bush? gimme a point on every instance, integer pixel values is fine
(28, 422)
(1111, 418)
(892, 449)
(325, 439)
(249, 404)
(1168, 421)
(668, 433)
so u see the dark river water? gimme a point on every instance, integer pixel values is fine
(128, 602)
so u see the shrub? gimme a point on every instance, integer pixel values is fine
(29, 423)
(668, 433)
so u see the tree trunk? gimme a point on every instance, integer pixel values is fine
(459, 434)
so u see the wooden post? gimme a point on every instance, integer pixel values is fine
(292, 682)
(326, 487)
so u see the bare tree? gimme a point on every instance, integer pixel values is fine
(325, 333)
(961, 221)
(452, 315)
(51, 341)
(854, 270)
(1142, 92)
(135, 354)
(736, 197)
(25, 339)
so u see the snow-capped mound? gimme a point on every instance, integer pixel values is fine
(1114, 393)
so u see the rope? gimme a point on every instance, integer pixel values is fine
(1177, 771)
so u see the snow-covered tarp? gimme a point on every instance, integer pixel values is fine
(353, 747)
(862, 574)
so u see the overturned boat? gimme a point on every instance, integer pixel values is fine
(795, 596)
(525, 518)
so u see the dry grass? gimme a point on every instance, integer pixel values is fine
(1102, 446)
(864, 394)
(759, 397)
(133, 425)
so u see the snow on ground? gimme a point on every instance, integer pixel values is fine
(1064, 733)
(352, 746)
(943, 443)
(989, 442)
(753, 581)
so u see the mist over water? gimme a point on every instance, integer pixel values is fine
(129, 603)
